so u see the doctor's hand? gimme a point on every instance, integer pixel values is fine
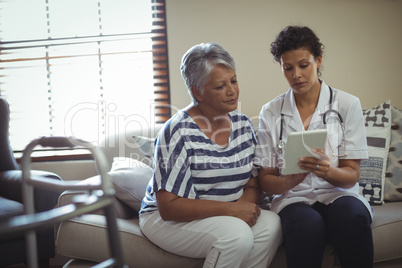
(319, 166)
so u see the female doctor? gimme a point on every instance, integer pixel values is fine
(321, 205)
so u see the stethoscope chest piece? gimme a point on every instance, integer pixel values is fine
(281, 146)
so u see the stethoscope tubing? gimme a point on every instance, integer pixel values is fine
(330, 110)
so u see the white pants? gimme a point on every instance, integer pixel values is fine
(222, 240)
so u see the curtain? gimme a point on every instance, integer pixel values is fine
(83, 68)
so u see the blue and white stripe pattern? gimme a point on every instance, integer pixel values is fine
(190, 165)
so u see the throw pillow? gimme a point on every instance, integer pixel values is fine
(393, 177)
(124, 163)
(130, 179)
(145, 145)
(372, 170)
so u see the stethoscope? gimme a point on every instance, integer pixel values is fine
(281, 144)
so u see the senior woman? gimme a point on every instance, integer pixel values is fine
(202, 199)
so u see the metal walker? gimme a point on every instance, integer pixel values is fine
(98, 197)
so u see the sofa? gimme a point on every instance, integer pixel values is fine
(84, 240)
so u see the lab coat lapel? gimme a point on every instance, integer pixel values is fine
(322, 106)
(292, 119)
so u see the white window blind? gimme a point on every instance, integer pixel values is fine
(83, 68)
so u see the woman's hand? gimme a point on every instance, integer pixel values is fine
(248, 212)
(318, 165)
(344, 176)
(175, 208)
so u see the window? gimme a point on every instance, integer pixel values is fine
(83, 68)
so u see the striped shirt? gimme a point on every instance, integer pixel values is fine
(189, 164)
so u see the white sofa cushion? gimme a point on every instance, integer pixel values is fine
(130, 178)
(122, 210)
(86, 238)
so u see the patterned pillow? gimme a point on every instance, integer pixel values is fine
(393, 176)
(372, 170)
(145, 145)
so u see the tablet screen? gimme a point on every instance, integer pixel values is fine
(300, 144)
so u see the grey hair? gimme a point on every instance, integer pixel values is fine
(198, 62)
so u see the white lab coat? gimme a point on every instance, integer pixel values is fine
(313, 188)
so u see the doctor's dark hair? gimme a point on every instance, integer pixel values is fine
(198, 62)
(295, 37)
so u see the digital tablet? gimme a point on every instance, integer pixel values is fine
(300, 144)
